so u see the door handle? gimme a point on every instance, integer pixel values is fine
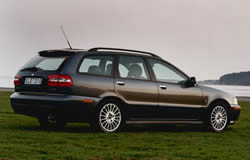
(120, 83)
(163, 87)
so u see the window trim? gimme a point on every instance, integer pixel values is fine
(171, 65)
(98, 75)
(146, 66)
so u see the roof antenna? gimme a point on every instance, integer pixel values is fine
(65, 37)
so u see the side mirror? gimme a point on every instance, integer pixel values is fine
(191, 82)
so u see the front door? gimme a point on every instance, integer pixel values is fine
(176, 100)
(133, 84)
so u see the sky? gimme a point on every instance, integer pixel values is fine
(204, 38)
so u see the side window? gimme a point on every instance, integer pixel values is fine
(97, 65)
(133, 67)
(165, 72)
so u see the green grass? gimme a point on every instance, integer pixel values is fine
(21, 138)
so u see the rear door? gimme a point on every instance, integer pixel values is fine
(134, 85)
(33, 76)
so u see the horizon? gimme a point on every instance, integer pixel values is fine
(4, 76)
(204, 39)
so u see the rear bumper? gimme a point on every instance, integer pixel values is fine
(73, 108)
(234, 113)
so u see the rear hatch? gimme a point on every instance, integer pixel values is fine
(41, 73)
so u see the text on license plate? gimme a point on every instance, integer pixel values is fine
(35, 81)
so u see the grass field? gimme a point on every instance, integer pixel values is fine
(21, 139)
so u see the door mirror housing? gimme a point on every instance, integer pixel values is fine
(191, 82)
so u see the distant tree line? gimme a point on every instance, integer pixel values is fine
(242, 78)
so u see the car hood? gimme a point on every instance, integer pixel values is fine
(211, 94)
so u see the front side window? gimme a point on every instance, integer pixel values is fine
(165, 72)
(97, 65)
(133, 67)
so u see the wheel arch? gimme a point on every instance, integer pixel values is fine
(94, 122)
(221, 100)
(104, 99)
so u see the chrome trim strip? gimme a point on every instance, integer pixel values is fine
(164, 122)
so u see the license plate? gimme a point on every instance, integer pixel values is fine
(34, 81)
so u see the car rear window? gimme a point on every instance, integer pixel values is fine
(50, 64)
(40, 63)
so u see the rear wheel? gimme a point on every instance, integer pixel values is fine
(51, 121)
(218, 117)
(110, 117)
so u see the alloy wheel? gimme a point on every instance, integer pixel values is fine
(110, 117)
(219, 118)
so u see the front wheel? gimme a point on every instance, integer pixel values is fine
(110, 117)
(218, 117)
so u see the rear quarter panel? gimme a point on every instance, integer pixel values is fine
(88, 85)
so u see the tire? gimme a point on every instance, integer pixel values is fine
(217, 117)
(109, 117)
(51, 121)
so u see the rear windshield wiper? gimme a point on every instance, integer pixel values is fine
(31, 69)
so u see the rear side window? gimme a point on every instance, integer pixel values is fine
(39, 63)
(97, 65)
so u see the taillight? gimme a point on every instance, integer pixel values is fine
(17, 80)
(65, 81)
(59, 80)
(53, 80)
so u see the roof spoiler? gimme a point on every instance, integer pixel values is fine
(55, 53)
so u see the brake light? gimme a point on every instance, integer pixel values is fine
(60, 80)
(65, 81)
(17, 80)
(53, 80)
